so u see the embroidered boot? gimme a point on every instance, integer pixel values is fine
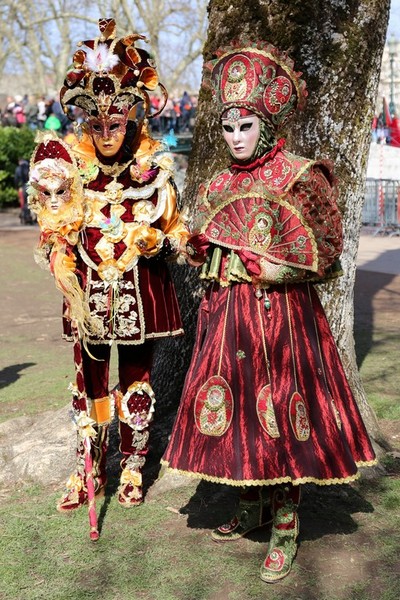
(253, 512)
(75, 494)
(282, 546)
(136, 410)
(130, 491)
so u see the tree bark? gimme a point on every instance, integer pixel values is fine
(338, 46)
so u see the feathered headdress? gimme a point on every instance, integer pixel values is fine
(110, 75)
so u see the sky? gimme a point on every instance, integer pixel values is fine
(394, 20)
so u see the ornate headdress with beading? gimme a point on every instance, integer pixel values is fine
(110, 75)
(258, 78)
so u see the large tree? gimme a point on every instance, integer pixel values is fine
(338, 46)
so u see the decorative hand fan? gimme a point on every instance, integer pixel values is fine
(265, 225)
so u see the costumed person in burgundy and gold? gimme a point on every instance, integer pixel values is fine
(266, 405)
(131, 226)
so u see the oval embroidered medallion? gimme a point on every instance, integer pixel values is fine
(299, 418)
(266, 413)
(240, 76)
(260, 232)
(277, 94)
(213, 407)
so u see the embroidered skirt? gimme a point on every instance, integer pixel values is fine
(266, 399)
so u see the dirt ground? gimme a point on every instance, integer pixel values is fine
(323, 536)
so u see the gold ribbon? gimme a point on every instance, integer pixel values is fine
(85, 426)
(132, 477)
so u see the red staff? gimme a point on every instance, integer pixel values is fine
(85, 429)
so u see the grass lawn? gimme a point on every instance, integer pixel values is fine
(349, 538)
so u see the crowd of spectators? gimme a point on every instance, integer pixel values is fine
(178, 113)
(40, 112)
(35, 112)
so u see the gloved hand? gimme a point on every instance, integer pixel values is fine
(251, 261)
(197, 245)
(148, 240)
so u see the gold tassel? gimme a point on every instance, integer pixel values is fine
(68, 284)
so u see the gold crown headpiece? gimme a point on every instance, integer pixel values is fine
(110, 75)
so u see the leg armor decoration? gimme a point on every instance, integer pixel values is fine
(101, 414)
(135, 413)
(253, 512)
(282, 546)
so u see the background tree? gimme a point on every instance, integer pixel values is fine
(37, 39)
(338, 46)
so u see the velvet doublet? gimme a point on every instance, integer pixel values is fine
(140, 302)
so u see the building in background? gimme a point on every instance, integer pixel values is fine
(382, 194)
(389, 83)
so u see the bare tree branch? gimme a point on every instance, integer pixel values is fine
(37, 40)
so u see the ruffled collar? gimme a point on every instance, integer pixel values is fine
(258, 162)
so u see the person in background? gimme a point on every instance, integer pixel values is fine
(266, 405)
(167, 117)
(42, 115)
(31, 112)
(19, 111)
(185, 106)
(54, 111)
(21, 179)
(177, 116)
(53, 123)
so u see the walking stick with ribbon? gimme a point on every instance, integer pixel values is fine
(86, 430)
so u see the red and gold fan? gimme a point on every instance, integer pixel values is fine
(267, 226)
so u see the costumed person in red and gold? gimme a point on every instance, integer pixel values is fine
(266, 405)
(130, 225)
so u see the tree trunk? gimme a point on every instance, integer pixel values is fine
(338, 46)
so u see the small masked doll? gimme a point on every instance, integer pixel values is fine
(55, 194)
(56, 197)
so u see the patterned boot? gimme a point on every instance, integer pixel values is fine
(130, 491)
(136, 410)
(75, 494)
(282, 545)
(253, 512)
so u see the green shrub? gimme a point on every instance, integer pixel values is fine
(15, 143)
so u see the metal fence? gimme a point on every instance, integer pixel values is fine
(382, 204)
